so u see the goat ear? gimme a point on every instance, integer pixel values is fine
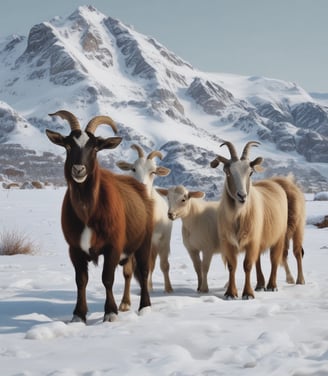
(162, 171)
(162, 191)
(56, 137)
(196, 194)
(125, 166)
(108, 143)
(256, 164)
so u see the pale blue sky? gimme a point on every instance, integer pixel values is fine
(285, 39)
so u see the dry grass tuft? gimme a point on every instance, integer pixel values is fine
(14, 243)
(323, 223)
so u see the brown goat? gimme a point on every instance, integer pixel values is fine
(102, 214)
(252, 217)
(295, 231)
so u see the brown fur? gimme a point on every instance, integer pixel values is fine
(102, 214)
(118, 211)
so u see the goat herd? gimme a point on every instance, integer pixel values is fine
(129, 222)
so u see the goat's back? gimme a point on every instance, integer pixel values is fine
(200, 225)
(296, 203)
(269, 201)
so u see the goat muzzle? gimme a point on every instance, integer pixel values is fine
(79, 173)
(241, 197)
(171, 216)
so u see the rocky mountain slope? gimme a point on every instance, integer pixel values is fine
(92, 64)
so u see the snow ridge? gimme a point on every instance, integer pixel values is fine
(92, 64)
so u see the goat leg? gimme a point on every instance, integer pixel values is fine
(110, 263)
(276, 253)
(80, 263)
(128, 268)
(231, 292)
(248, 292)
(260, 286)
(141, 273)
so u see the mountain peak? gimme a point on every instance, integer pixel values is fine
(91, 64)
(85, 15)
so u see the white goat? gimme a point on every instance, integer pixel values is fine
(199, 227)
(144, 169)
(252, 217)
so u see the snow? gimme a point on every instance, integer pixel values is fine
(184, 333)
(321, 196)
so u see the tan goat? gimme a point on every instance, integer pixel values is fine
(199, 227)
(252, 217)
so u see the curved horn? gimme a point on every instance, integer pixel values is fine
(154, 154)
(246, 149)
(97, 120)
(217, 161)
(72, 119)
(139, 150)
(232, 150)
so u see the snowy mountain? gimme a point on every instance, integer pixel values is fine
(92, 64)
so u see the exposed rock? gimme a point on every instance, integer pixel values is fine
(210, 96)
(311, 116)
(131, 50)
(46, 56)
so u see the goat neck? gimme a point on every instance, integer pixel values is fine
(84, 197)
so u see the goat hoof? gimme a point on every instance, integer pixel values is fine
(124, 307)
(248, 297)
(77, 318)
(271, 289)
(144, 311)
(110, 317)
(229, 297)
(259, 288)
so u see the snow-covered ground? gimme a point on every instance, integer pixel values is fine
(186, 333)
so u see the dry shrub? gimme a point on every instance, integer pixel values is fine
(323, 223)
(14, 243)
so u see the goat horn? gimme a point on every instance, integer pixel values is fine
(97, 120)
(246, 149)
(154, 154)
(232, 150)
(139, 150)
(72, 119)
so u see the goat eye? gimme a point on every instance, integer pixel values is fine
(133, 170)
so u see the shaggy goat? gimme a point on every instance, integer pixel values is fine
(251, 218)
(145, 170)
(199, 227)
(102, 213)
(295, 230)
